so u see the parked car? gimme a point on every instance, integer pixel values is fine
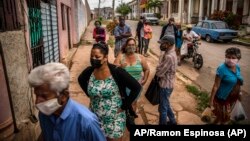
(213, 30)
(151, 17)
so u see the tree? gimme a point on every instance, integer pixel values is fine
(154, 4)
(123, 9)
(99, 7)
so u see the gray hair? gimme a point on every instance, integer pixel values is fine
(54, 74)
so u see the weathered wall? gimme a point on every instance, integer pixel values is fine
(63, 33)
(15, 53)
(82, 18)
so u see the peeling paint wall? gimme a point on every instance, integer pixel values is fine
(16, 58)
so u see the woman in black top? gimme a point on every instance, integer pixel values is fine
(106, 85)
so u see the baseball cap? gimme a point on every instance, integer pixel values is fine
(167, 39)
(189, 26)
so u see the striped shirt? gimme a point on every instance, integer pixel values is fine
(167, 68)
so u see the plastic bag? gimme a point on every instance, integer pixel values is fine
(152, 93)
(238, 112)
(207, 115)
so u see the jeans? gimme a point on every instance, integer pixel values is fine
(141, 44)
(164, 107)
(146, 42)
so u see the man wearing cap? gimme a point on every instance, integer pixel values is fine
(169, 29)
(166, 72)
(188, 36)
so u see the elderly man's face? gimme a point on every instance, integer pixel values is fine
(43, 93)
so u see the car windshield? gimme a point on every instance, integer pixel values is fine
(150, 15)
(219, 25)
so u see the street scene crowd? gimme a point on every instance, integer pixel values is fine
(114, 87)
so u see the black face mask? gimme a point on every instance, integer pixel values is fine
(163, 47)
(95, 63)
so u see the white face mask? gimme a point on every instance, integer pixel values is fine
(48, 107)
(231, 62)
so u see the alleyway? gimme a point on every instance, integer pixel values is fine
(183, 103)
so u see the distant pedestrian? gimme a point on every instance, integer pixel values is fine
(99, 33)
(61, 118)
(226, 88)
(140, 34)
(121, 33)
(105, 84)
(135, 64)
(165, 71)
(169, 29)
(179, 42)
(188, 36)
(147, 36)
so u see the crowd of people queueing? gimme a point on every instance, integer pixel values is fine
(114, 87)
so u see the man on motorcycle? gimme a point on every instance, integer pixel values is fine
(188, 36)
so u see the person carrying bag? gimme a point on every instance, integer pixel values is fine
(152, 93)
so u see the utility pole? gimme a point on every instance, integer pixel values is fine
(113, 5)
(98, 14)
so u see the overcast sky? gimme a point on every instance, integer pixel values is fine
(105, 3)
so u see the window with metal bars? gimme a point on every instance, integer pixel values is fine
(43, 31)
(8, 15)
(35, 25)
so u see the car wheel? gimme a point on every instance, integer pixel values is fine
(208, 38)
(226, 41)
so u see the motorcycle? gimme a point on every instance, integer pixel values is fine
(193, 53)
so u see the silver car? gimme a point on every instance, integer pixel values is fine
(151, 17)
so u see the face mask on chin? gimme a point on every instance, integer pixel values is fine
(48, 107)
(96, 63)
(130, 49)
(231, 62)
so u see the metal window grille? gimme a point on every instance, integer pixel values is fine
(50, 31)
(35, 24)
(43, 31)
(8, 15)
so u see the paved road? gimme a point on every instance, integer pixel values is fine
(213, 55)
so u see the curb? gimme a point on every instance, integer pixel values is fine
(241, 43)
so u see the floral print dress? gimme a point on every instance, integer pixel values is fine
(105, 100)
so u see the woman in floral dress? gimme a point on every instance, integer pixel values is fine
(105, 84)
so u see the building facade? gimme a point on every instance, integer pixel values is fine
(135, 7)
(32, 33)
(191, 11)
(104, 12)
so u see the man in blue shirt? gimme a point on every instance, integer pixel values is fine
(121, 33)
(61, 118)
